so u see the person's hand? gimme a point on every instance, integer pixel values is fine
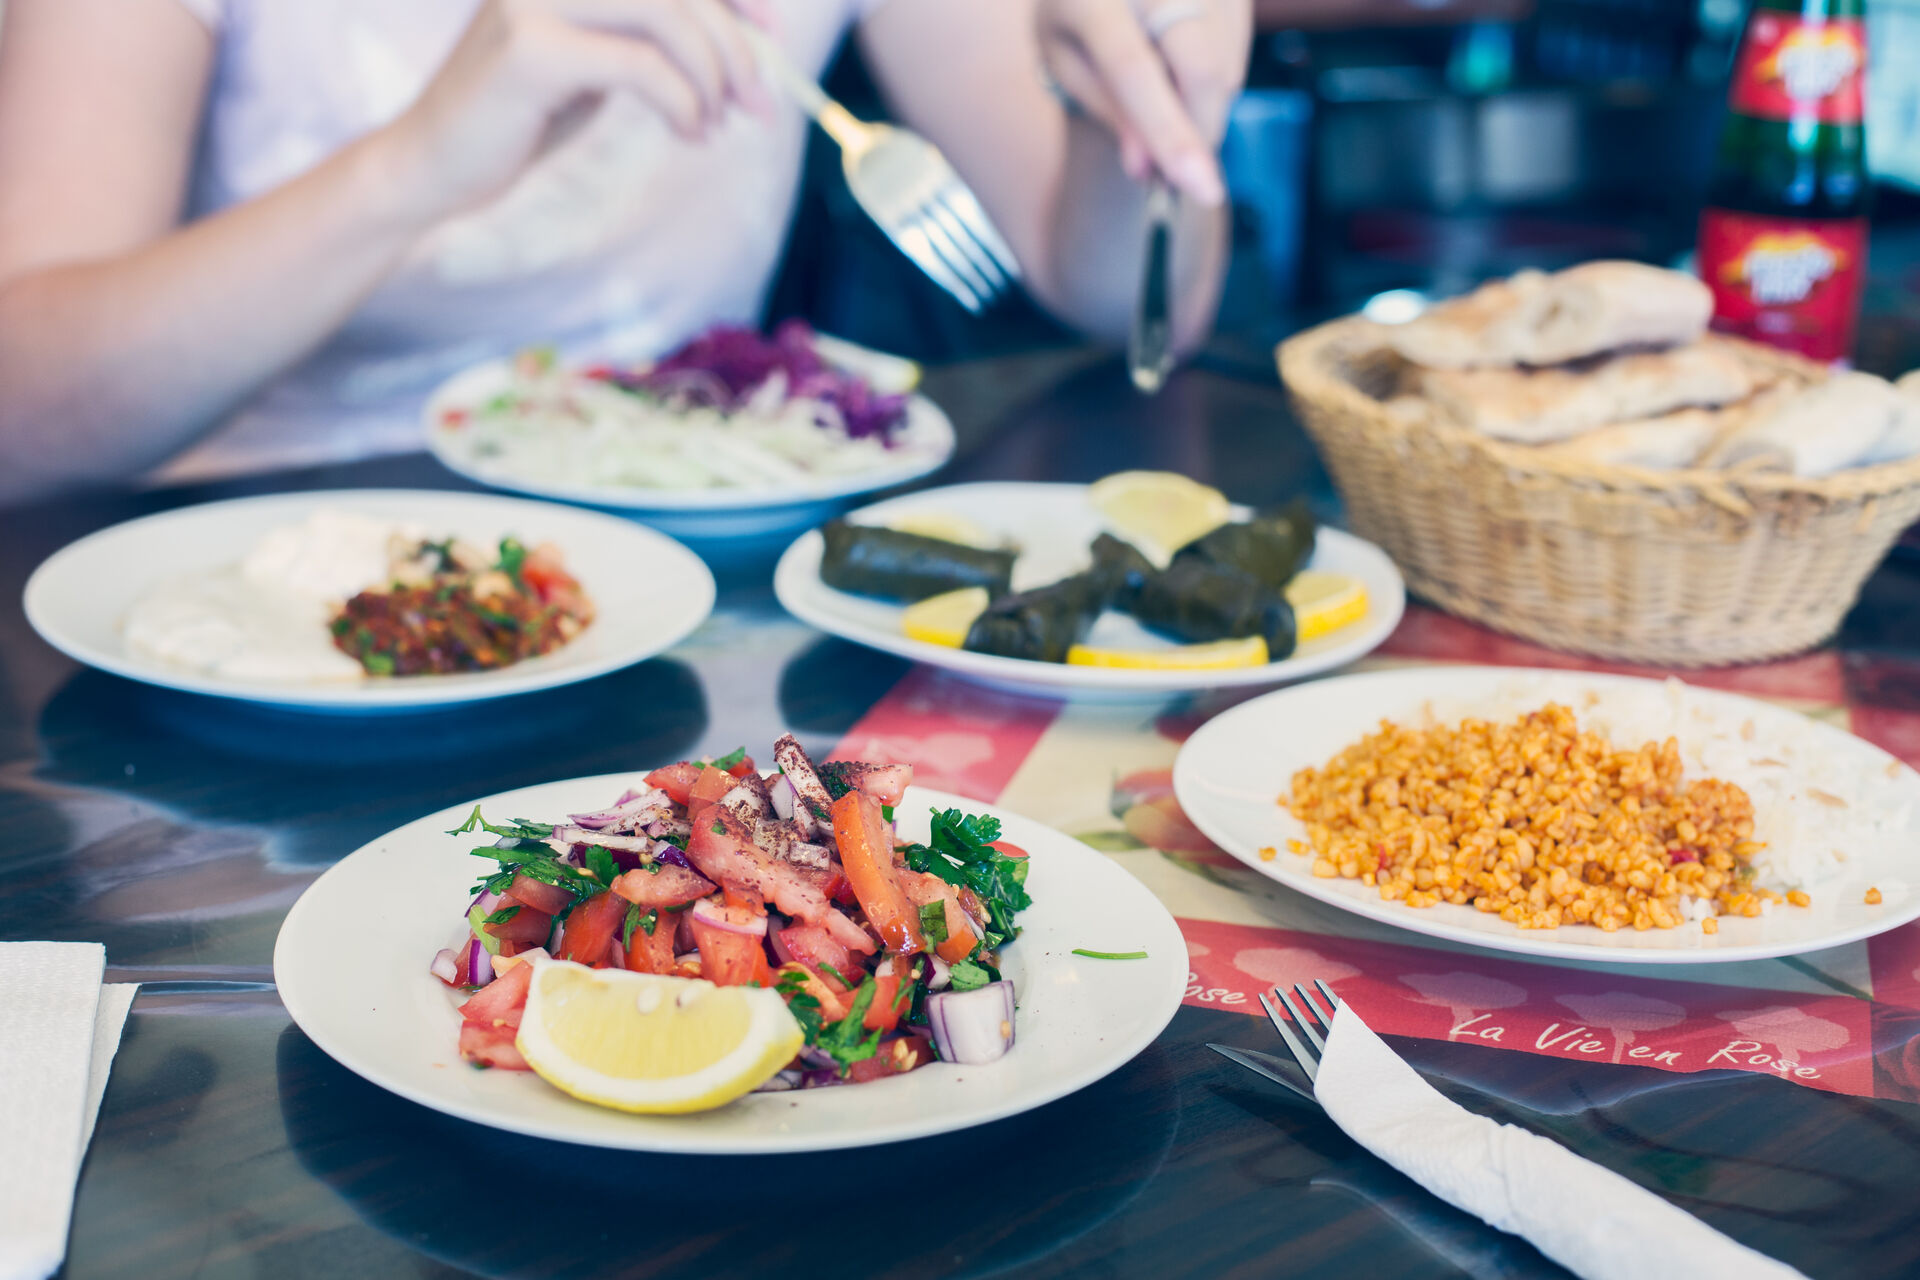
(1161, 74)
(527, 72)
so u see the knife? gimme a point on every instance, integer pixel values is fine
(1150, 351)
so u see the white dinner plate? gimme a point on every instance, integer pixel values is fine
(923, 444)
(1053, 524)
(1816, 789)
(648, 591)
(351, 964)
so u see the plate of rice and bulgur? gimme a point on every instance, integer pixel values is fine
(1564, 814)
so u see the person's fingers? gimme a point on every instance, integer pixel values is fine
(595, 60)
(1207, 64)
(1129, 65)
(729, 38)
(674, 26)
(1082, 85)
(758, 12)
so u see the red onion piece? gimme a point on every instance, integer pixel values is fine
(750, 924)
(446, 967)
(972, 1027)
(941, 972)
(479, 964)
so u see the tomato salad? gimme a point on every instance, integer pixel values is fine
(886, 951)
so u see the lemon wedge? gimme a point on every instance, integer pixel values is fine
(1249, 651)
(1324, 602)
(1158, 511)
(648, 1043)
(945, 526)
(946, 618)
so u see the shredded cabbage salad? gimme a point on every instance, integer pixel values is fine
(731, 409)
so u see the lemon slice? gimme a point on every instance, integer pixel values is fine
(1324, 602)
(1250, 651)
(1159, 511)
(945, 526)
(945, 618)
(644, 1042)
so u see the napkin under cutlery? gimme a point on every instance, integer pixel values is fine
(59, 1030)
(1587, 1218)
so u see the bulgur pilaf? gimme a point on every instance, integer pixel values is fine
(1534, 820)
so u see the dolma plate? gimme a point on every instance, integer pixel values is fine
(1053, 525)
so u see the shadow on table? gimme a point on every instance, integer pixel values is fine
(505, 1205)
(237, 762)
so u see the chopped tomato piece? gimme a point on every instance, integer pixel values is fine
(866, 852)
(593, 924)
(741, 767)
(925, 889)
(812, 945)
(894, 1057)
(527, 925)
(707, 788)
(883, 1013)
(665, 886)
(729, 959)
(501, 1002)
(546, 576)
(491, 1047)
(834, 1002)
(743, 899)
(1010, 849)
(550, 898)
(676, 780)
(652, 952)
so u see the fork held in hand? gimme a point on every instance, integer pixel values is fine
(908, 188)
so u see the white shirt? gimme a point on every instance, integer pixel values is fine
(620, 244)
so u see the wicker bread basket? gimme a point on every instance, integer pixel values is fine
(1676, 568)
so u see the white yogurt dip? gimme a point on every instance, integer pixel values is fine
(266, 618)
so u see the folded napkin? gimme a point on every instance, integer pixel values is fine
(1590, 1220)
(59, 1029)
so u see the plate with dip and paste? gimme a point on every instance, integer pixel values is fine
(364, 601)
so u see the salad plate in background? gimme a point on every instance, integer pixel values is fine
(370, 1000)
(241, 599)
(734, 435)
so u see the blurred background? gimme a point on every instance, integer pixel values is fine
(1426, 145)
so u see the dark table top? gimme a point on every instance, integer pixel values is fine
(178, 831)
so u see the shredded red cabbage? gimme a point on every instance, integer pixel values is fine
(723, 367)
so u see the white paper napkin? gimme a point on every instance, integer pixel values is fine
(1590, 1220)
(59, 1030)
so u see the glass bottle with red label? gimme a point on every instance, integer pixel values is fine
(1783, 240)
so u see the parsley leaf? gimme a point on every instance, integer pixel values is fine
(524, 851)
(631, 923)
(601, 863)
(962, 854)
(734, 757)
(719, 829)
(801, 1003)
(837, 976)
(966, 976)
(503, 915)
(513, 557)
(518, 829)
(847, 1041)
(933, 922)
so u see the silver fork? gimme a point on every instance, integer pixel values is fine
(1305, 1036)
(908, 188)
